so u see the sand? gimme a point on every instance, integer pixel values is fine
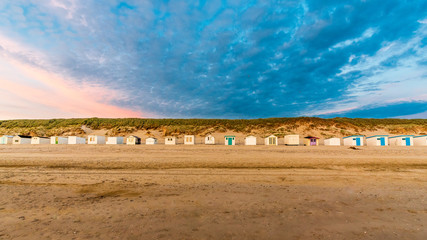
(212, 192)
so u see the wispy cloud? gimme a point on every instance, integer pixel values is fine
(224, 58)
(395, 73)
(25, 81)
(366, 34)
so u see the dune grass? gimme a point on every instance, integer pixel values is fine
(278, 126)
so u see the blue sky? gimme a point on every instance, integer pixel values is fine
(213, 59)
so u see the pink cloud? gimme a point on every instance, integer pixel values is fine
(51, 93)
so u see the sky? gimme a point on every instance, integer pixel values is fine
(213, 58)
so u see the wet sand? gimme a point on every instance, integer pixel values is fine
(212, 192)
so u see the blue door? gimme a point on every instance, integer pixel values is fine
(230, 141)
(357, 141)
(408, 141)
(382, 141)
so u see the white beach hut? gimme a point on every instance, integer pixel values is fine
(21, 139)
(209, 139)
(377, 140)
(230, 140)
(6, 139)
(170, 140)
(133, 140)
(250, 140)
(292, 140)
(115, 140)
(151, 141)
(40, 140)
(332, 142)
(76, 140)
(189, 139)
(58, 140)
(271, 140)
(402, 140)
(355, 140)
(94, 139)
(420, 140)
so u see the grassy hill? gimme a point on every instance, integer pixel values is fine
(277, 126)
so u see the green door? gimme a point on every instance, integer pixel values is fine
(56, 140)
(230, 141)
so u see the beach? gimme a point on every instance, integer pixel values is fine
(212, 192)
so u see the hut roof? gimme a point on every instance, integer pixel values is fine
(420, 136)
(402, 136)
(23, 136)
(354, 136)
(377, 136)
(310, 137)
(134, 137)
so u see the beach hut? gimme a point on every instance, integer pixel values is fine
(250, 140)
(40, 140)
(115, 140)
(311, 141)
(292, 140)
(6, 139)
(420, 140)
(189, 139)
(401, 140)
(377, 140)
(94, 139)
(76, 140)
(230, 140)
(332, 142)
(271, 140)
(21, 139)
(170, 140)
(151, 141)
(133, 140)
(58, 140)
(209, 139)
(355, 140)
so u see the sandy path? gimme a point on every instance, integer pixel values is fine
(199, 192)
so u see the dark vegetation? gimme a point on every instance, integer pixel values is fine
(278, 126)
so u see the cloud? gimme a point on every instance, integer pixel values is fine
(29, 91)
(366, 34)
(228, 59)
(409, 109)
